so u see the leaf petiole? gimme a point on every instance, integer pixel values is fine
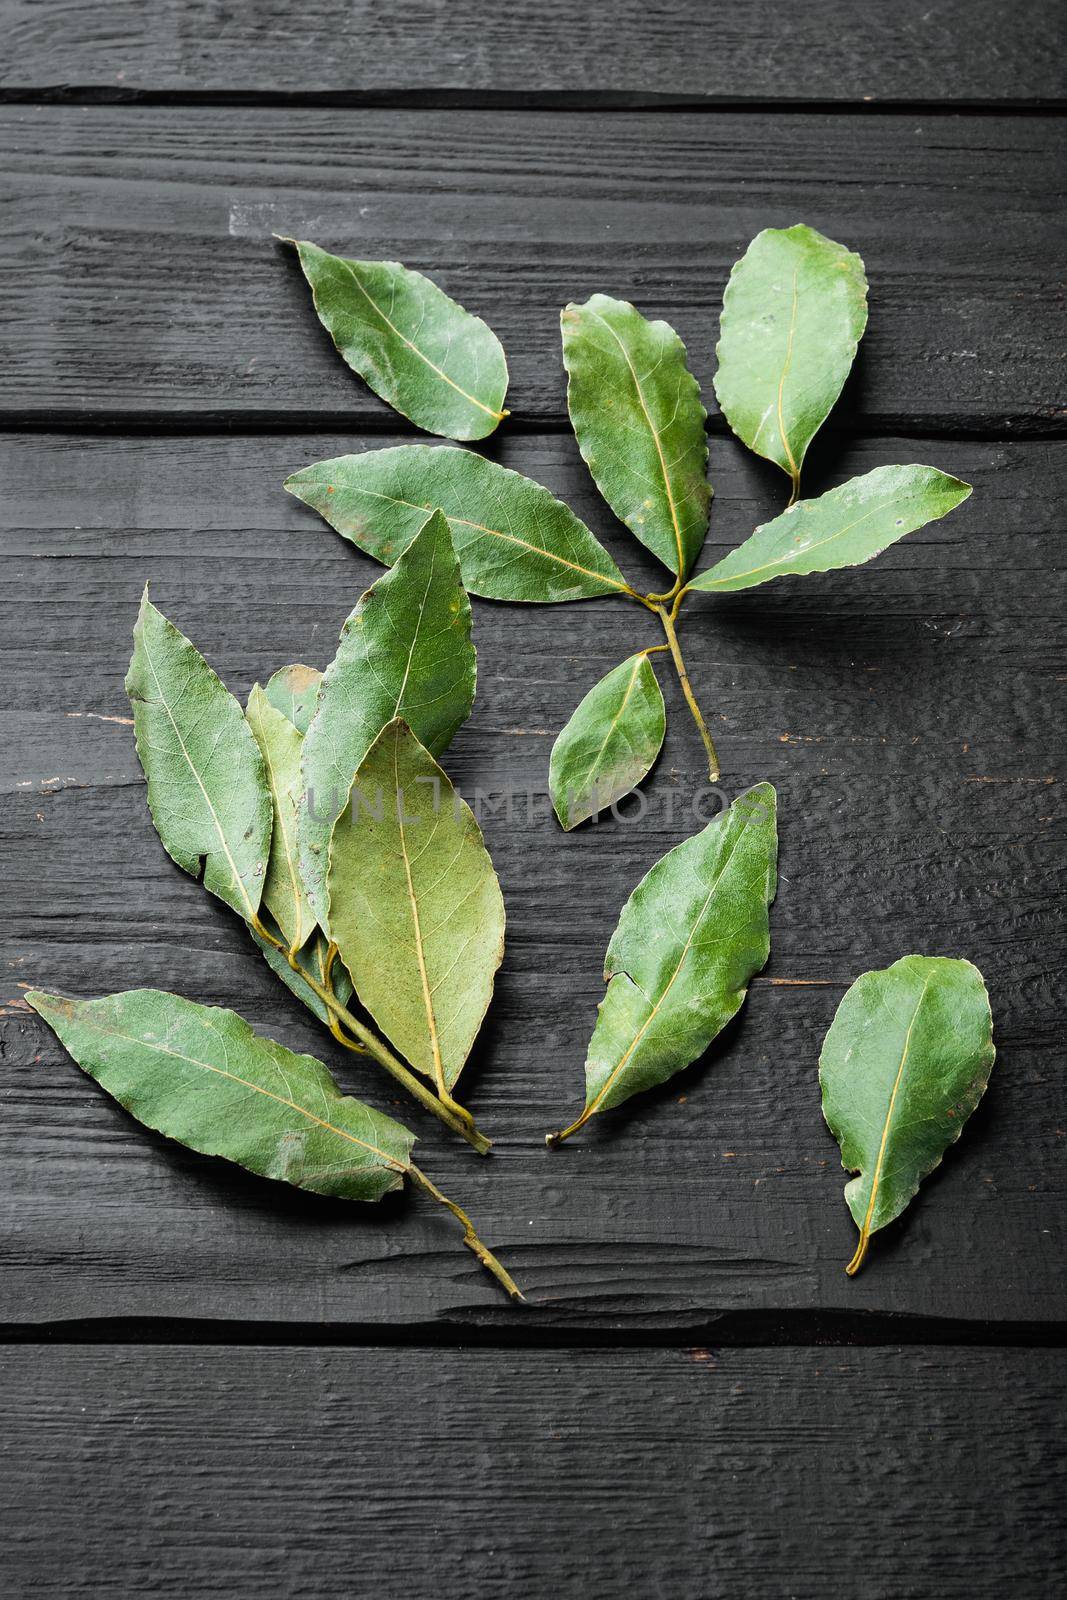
(553, 1140)
(470, 1237)
(861, 1252)
(454, 1116)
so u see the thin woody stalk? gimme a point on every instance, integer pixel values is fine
(667, 619)
(470, 1237)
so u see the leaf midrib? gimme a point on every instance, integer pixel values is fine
(876, 1177)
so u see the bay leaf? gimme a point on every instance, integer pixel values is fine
(294, 691)
(280, 744)
(842, 528)
(404, 651)
(207, 787)
(435, 363)
(906, 1060)
(200, 1075)
(415, 906)
(793, 314)
(514, 540)
(610, 742)
(636, 413)
(690, 939)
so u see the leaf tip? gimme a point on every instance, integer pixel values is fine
(48, 1006)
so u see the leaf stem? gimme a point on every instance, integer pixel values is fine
(470, 1237)
(667, 619)
(861, 1252)
(455, 1116)
(554, 1139)
(327, 967)
(342, 1038)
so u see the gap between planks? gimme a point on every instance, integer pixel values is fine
(505, 1330)
(596, 102)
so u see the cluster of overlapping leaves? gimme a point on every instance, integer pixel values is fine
(321, 816)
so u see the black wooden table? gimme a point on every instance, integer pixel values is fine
(215, 1386)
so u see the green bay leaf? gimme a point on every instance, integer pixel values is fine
(294, 691)
(906, 1060)
(405, 651)
(842, 528)
(636, 413)
(688, 942)
(280, 744)
(514, 540)
(435, 363)
(415, 906)
(793, 314)
(200, 1075)
(207, 787)
(610, 742)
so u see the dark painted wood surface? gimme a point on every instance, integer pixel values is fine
(142, 282)
(284, 1473)
(949, 52)
(908, 712)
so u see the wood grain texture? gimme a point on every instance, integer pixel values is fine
(143, 282)
(622, 51)
(909, 713)
(259, 1472)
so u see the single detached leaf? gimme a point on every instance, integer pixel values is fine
(418, 350)
(280, 744)
(905, 1062)
(207, 787)
(415, 907)
(514, 540)
(793, 314)
(294, 691)
(609, 744)
(689, 940)
(405, 651)
(636, 413)
(200, 1075)
(842, 528)
(312, 958)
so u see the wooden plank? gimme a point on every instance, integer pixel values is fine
(618, 51)
(281, 1472)
(143, 283)
(908, 712)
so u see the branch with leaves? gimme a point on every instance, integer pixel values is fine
(794, 312)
